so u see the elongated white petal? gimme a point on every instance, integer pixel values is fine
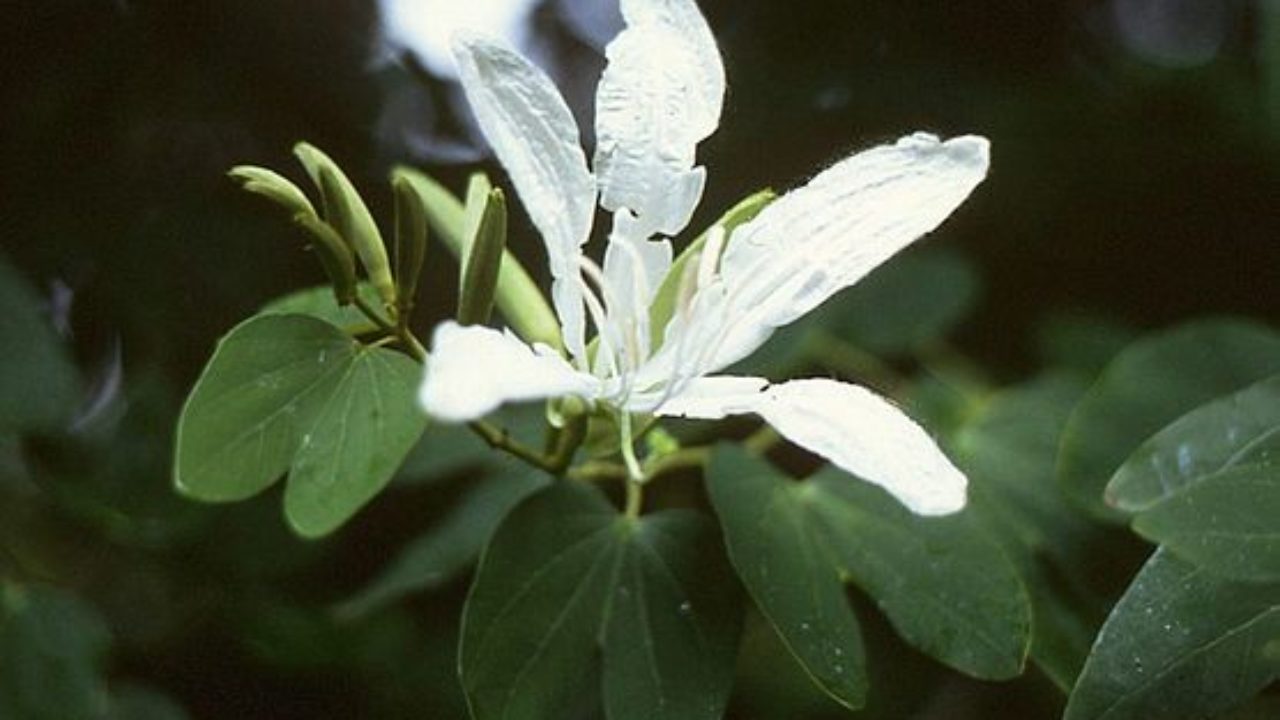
(827, 235)
(661, 94)
(536, 139)
(706, 398)
(474, 369)
(857, 430)
(633, 270)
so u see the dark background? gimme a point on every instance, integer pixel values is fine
(1135, 177)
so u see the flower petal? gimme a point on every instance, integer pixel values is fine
(536, 139)
(857, 430)
(827, 235)
(474, 369)
(661, 94)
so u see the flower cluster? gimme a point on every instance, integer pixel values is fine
(660, 95)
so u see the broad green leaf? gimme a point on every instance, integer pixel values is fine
(318, 302)
(519, 300)
(1182, 643)
(355, 442)
(452, 543)
(290, 392)
(1150, 384)
(39, 386)
(916, 298)
(1228, 522)
(1242, 428)
(947, 589)
(1008, 449)
(52, 648)
(569, 590)
(788, 571)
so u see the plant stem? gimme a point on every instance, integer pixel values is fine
(399, 331)
(635, 497)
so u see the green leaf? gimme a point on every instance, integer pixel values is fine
(355, 442)
(564, 575)
(1240, 429)
(788, 571)
(452, 543)
(290, 392)
(52, 648)
(1228, 522)
(39, 386)
(1008, 449)
(1181, 643)
(1150, 384)
(916, 298)
(519, 300)
(318, 302)
(947, 589)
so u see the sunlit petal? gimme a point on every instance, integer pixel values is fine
(660, 95)
(827, 235)
(474, 369)
(533, 134)
(852, 427)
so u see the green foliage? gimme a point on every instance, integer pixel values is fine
(569, 591)
(1182, 643)
(452, 544)
(52, 651)
(915, 299)
(318, 302)
(946, 588)
(1150, 384)
(1242, 429)
(1008, 450)
(39, 386)
(291, 392)
(1228, 522)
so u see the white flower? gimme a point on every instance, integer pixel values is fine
(660, 95)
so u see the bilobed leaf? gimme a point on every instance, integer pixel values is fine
(1149, 385)
(947, 589)
(39, 385)
(291, 392)
(1183, 642)
(789, 573)
(52, 649)
(451, 544)
(563, 576)
(1240, 429)
(355, 441)
(1228, 522)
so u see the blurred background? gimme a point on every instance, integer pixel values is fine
(1135, 182)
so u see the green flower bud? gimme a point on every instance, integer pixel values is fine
(346, 211)
(480, 273)
(411, 241)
